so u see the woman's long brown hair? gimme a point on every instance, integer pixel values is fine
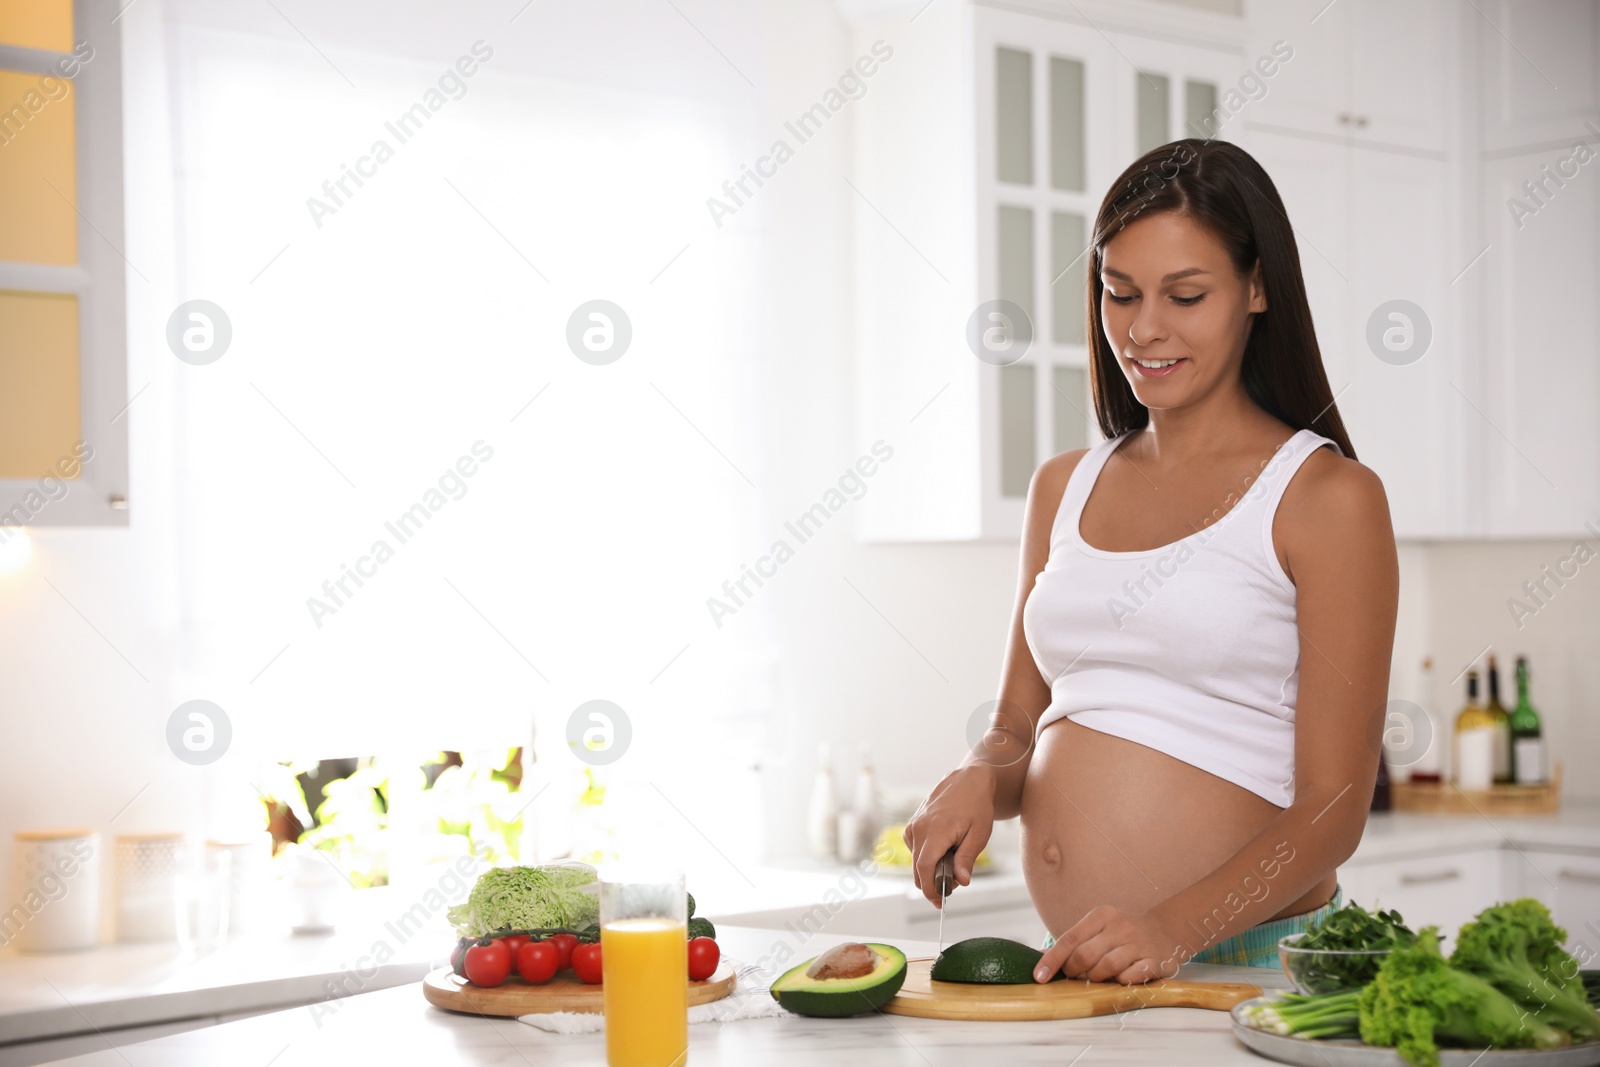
(1224, 189)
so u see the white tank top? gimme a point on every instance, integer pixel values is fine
(1190, 649)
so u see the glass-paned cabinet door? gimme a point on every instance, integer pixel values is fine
(1043, 134)
(63, 376)
(1173, 91)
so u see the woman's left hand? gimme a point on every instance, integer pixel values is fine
(1111, 944)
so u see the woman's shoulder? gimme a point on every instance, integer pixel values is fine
(1051, 478)
(1049, 486)
(1334, 496)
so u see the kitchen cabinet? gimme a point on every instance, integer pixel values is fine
(982, 154)
(1445, 889)
(1537, 74)
(1493, 429)
(63, 345)
(1364, 71)
(1569, 883)
(1539, 323)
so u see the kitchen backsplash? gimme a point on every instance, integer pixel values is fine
(1535, 598)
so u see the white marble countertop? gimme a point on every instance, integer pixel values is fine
(118, 985)
(397, 1025)
(1391, 835)
(132, 985)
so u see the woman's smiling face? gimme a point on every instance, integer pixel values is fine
(1170, 294)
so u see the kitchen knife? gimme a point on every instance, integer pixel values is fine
(944, 876)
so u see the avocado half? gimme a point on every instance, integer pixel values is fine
(995, 960)
(836, 997)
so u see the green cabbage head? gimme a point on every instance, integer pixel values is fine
(528, 898)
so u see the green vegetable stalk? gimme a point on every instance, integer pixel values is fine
(1418, 1001)
(560, 895)
(1325, 1015)
(1516, 947)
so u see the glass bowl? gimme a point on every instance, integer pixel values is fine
(1326, 970)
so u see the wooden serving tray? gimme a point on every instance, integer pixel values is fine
(1067, 998)
(446, 989)
(1435, 798)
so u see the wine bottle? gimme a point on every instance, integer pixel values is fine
(1502, 725)
(1473, 758)
(1527, 739)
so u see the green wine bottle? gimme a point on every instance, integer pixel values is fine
(1527, 740)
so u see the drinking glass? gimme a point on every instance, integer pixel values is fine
(644, 963)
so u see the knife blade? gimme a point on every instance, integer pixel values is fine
(944, 876)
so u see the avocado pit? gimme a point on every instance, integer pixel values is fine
(849, 960)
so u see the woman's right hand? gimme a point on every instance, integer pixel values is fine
(959, 812)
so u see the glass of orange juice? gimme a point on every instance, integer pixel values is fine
(644, 962)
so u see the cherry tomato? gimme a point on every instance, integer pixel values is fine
(565, 943)
(586, 963)
(538, 961)
(458, 957)
(703, 957)
(514, 942)
(488, 965)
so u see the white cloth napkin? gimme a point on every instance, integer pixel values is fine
(751, 999)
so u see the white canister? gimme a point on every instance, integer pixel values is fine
(148, 869)
(55, 878)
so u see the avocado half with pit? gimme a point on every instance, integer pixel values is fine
(848, 979)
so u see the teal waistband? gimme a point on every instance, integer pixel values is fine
(1258, 946)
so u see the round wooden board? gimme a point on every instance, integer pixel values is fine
(445, 989)
(1068, 998)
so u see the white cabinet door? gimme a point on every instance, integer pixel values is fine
(1397, 72)
(1404, 349)
(1370, 71)
(1443, 891)
(1310, 91)
(1538, 79)
(1540, 393)
(1569, 885)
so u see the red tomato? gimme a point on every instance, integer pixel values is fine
(538, 961)
(586, 963)
(703, 957)
(488, 965)
(565, 943)
(514, 942)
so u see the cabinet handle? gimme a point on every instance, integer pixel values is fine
(1422, 879)
(1571, 875)
(1361, 122)
(1344, 118)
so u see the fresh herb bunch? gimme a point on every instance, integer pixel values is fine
(1351, 929)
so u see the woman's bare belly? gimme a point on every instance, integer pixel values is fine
(1109, 821)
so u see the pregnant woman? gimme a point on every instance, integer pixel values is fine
(1194, 684)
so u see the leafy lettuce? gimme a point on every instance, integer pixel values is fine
(529, 898)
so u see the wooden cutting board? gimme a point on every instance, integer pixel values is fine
(445, 989)
(1067, 998)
